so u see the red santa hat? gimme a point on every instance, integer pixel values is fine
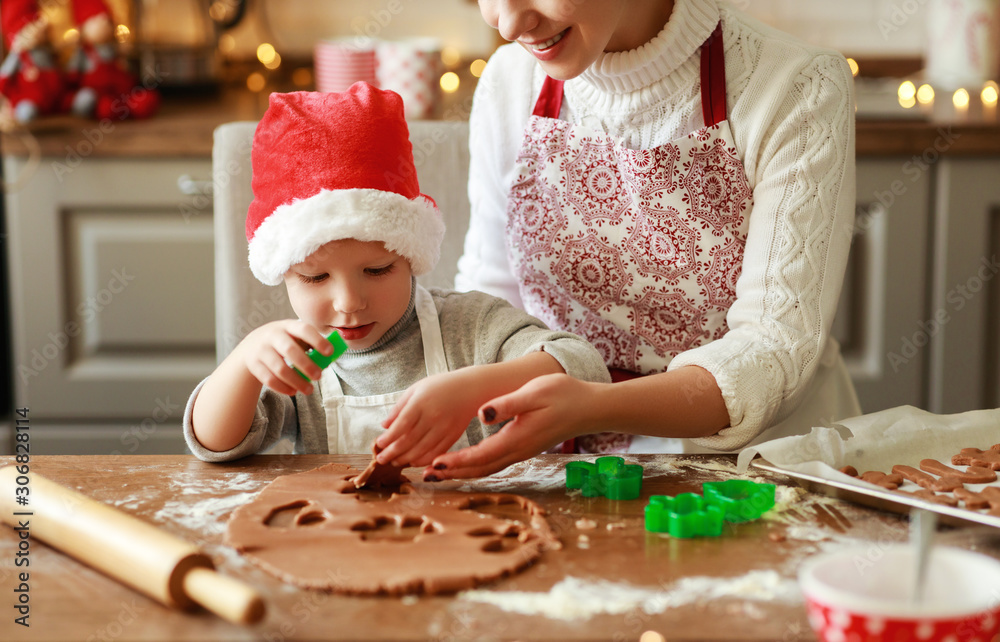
(84, 10)
(330, 166)
(14, 15)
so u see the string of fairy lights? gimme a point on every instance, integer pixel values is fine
(911, 94)
(268, 56)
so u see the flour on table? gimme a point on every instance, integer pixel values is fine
(574, 598)
(528, 475)
(716, 465)
(204, 516)
(188, 483)
(132, 502)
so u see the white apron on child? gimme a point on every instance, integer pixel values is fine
(354, 423)
(638, 251)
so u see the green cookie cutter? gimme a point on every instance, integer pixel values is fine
(689, 515)
(322, 360)
(740, 499)
(686, 515)
(610, 477)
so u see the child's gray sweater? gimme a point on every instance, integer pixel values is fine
(476, 329)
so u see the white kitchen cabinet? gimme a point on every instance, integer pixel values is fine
(919, 318)
(964, 354)
(884, 293)
(112, 299)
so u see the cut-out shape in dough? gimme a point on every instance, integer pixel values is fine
(431, 541)
(284, 516)
(378, 475)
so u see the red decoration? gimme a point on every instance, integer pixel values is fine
(95, 83)
(29, 77)
(101, 85)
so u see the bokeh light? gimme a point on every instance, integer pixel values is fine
(227, 44)
(256, 82)
(925, 94)
(450, 56)
(960, 98)
(450, 82)
(989, 94)
(266, 53)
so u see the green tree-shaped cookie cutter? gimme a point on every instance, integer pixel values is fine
(610, 477)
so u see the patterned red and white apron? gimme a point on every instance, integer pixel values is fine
(638, 251)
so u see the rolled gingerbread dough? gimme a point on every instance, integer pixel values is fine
(317, 530)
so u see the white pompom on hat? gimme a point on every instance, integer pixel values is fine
(331, 166)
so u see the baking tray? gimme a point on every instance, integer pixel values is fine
(879, 498)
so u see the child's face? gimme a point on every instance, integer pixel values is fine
(581, 29)
(358, 288)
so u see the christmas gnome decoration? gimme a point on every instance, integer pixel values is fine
(29, 76)
(100, 85)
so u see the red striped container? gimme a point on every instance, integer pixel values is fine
(341, 62)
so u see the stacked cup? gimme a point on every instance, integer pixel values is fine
(963, 43)
(341, 62)
(411, 67)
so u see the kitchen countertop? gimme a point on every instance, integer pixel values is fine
(183, 128)
(192, 499)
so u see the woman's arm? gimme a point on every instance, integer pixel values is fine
(799, 156)
(500, 111)
(546, 411)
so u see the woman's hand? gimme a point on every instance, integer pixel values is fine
(542, 413)
(267, 351)
(430, 416)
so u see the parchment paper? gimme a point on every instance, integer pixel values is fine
(902, 435)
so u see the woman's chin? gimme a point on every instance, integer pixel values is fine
(562, 70)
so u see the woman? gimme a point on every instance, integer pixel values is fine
(675, 182)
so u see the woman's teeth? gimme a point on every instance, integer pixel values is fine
(548, 43)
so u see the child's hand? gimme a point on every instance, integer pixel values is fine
(266, 350)
(542, 413)
(431, 416)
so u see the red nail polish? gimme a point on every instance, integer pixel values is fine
(431, 478)
(489, 414)
(440, 466)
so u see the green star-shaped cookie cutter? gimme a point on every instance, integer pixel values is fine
(686, 515)
(690, 515)
(610, 477)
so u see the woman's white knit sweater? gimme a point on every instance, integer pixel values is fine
(791, 111)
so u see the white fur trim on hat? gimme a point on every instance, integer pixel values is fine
(414, 229)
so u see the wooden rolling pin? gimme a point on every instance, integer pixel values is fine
(164, 567)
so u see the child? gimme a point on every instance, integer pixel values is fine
(338, 216)
(673, 181)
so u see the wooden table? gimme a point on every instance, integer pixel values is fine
(191, 499)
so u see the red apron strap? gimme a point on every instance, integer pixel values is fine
(550, 99)
(713, 79)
